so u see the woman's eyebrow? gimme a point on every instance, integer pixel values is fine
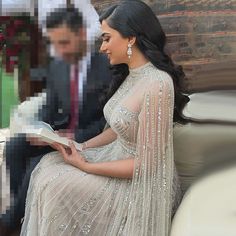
(105, 34)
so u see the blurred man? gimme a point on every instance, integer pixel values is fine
(76, 79)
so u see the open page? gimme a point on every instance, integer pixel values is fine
(45, 133)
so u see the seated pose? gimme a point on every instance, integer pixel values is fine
(124, 181)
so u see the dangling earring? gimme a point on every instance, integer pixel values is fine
(129, 51)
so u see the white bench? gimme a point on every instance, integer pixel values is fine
(209, 205)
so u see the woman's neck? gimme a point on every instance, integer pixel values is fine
(137, 59)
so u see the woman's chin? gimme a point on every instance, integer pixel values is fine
(113, 62)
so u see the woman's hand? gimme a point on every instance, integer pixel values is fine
(72, 156)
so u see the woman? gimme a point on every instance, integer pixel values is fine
(123, 182)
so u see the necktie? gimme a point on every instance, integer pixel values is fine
(74, 102)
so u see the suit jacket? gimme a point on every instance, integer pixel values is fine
(56, 111)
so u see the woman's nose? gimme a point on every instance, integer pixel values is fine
(102, 48)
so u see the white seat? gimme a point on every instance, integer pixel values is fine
(201, 146)
(205, 143)
(217, 106)
(208, 207)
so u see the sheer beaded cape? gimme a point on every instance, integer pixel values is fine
(63, 200)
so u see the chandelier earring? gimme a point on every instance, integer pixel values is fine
(129, 51)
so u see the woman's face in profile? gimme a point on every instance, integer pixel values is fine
(113, 45)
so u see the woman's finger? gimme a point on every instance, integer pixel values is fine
(73, 149)
(54, 146)
(63, 151)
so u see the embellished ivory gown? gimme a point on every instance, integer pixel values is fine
(63, 200)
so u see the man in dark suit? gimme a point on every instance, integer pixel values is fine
(72, 105)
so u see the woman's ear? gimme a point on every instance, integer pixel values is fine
(132, 40)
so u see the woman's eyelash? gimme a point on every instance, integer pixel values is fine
(105, 39)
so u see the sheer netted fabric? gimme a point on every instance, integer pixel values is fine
(63, 200)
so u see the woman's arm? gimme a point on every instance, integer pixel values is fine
(104, 138)
(118, 169)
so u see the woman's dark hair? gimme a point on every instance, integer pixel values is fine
(135, 18)
(70, 16)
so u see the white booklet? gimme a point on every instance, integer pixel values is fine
(45, 133)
